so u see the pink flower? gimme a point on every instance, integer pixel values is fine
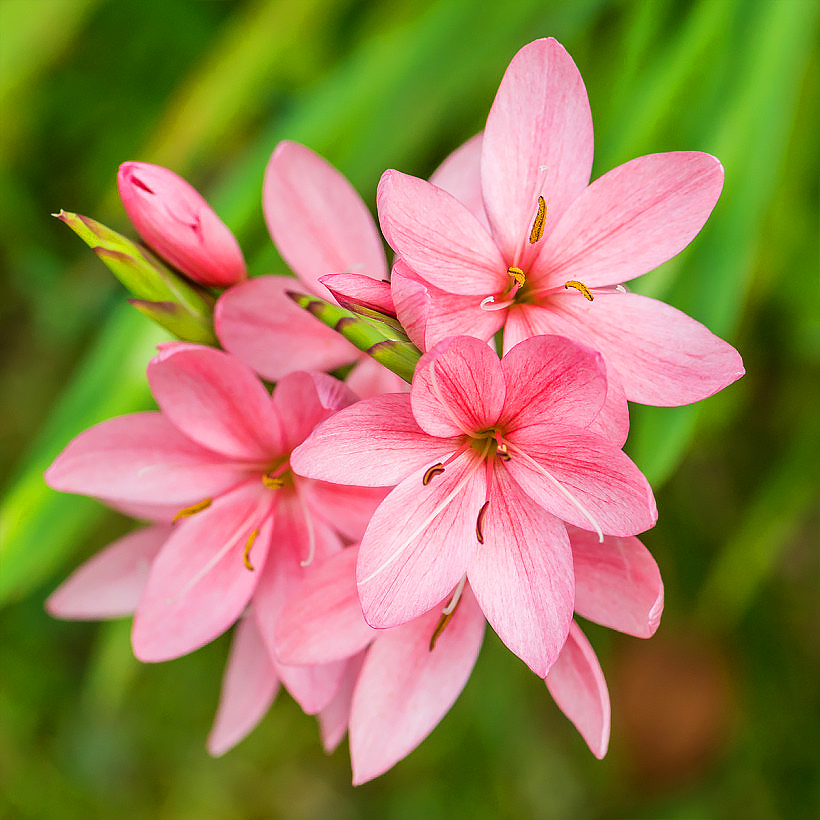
(542, 251)
(320, 225)
(176, 222)
(490, 458)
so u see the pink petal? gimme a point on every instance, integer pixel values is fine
(322, 620)
(110, 583)
(215, 399)
(420, 542)
(249, 687)
(458, 388)
(522, 575)
(316, 219)
(594, 471)
(632, 219)
(405, 689)
(374, 443)
(335, 717)
(460, 176)
(577, 685)
(154, 513)
(259, 324)
(412, 302)
(198, 584)
(438, 237)
(354, 290)
(617, 583)
(368, 378)
(140, 458)
(347, 509)
(538, 141)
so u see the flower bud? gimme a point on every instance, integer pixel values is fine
(178, 224)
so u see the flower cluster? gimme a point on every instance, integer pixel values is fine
(360, 533)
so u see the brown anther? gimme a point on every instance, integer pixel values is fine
(540, 218)
(432, 472)
(272, 482)
(246, 557)
(187, 512)
(579, 286)
(479, 522)
(517, 276)
(502, 453)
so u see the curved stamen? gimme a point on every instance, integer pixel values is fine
(187, 512)
(479, 522)
(540, 219)
(579, 286)
(432, 472)
(448, 612)
(246, 558)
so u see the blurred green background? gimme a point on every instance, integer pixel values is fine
(717, 716)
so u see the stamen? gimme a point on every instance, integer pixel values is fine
(517, 276)
(246, 558)
(479, 522)
(540, 218)
(187, 512)
(432, 472)
(272, 482)
(579, 286)
(448, 612)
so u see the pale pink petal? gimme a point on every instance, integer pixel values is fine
(617, 583)
(613, 420)
(110, 583)
(599, 485)
(577, 685)
(420, 542)
(438, 237)
(258, 323)
(538, 141)
(345, 508)
(522, 575)
(458, 388)
(335, 717)
(141, 458)
(215, 399)
(412, 302)
(316, 219)
(153, 513)
(368, 378)
(322, 620)
(631, 219)
(199, 584)
(249, 687)
(374, 443)
(405, 688)
(354, 290)
(460, 176)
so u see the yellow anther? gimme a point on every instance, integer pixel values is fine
(272, 482)
(540, 218)
(431, 473)
(440, 626)
(579, 286)
(192, 510)
(501, 452)
(517, 276)
(246, 557)
(479, 522)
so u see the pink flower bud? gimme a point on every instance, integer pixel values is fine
(179, 225)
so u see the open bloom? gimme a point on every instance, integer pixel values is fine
(543, 251)
(175, 221)
(490, 458)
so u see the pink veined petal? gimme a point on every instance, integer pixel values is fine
(420, 542)
(110, 583)
(412, 302)
(198, 584)
(316, 219)
(153, 513)
(374, 443)
(345, 508)
(577, 685)
(538, 141)
(368, 378)
(439, 238)
(405, 689)
(606, 486)
(617, 583)
(259, 324)
(322, 620)
(458, 388)
(249, 687)
(522, 574)
(355, 290)
(141, 458)
(631, 219)
(550, 378)
(217, 400)
(460, 176)
(335, 717)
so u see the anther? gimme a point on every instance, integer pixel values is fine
(579, 286)
(479, 522)
(432, 472)
(187, 512)
(517, 276)
(448, 612)
(540, 218)
(272, 482)
(246, 557)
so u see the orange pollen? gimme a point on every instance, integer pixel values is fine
(580, 287)
(540, 218)
(246, 556)
(518, 277)
(187, 512)
(432, 472)
(272, 482)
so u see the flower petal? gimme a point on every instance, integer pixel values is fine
(631, 219)
(460, 176)
(420, 542)
(577, 685)
(249, 687)
(316, 219)
(368, 378)
(335, 717)
(438, 237)
(215, 399)
(110, 583)
(617, 583)
(405, 689)
(412, 303)
(259, 324)
(347, 509)
(354, 290)
(538, 141)
(458, 388)
(522, 575)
